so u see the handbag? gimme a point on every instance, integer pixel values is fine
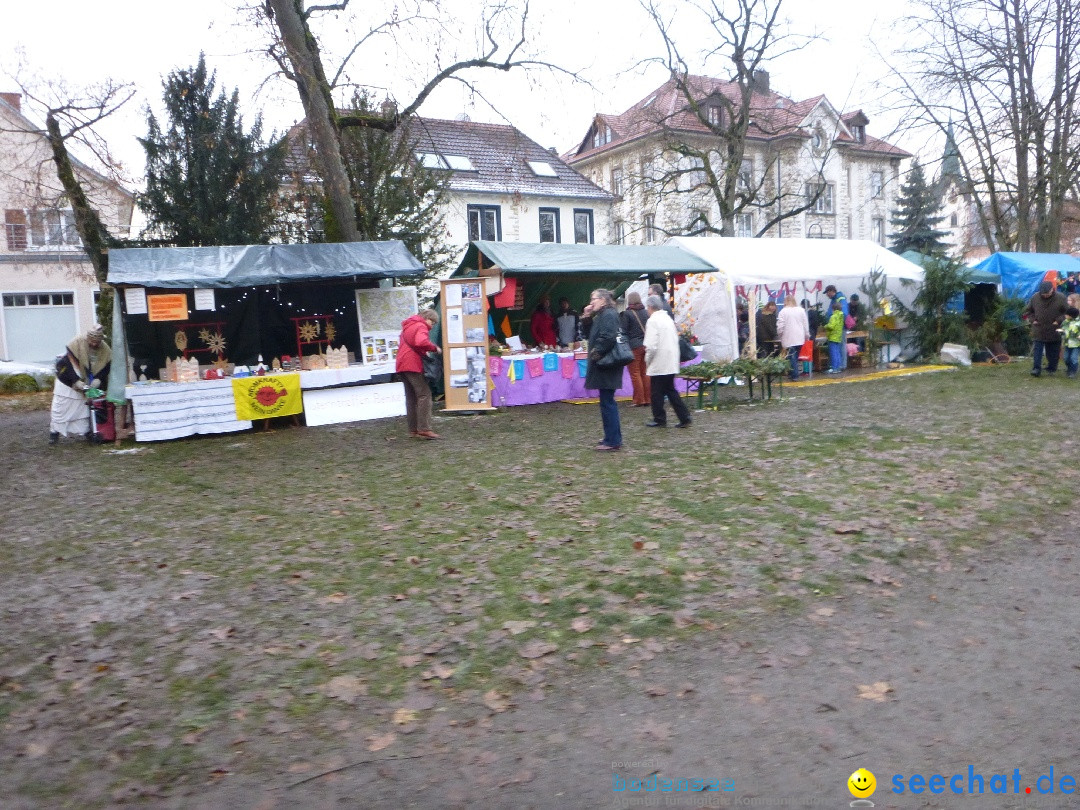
(619, 355)
(686, 351)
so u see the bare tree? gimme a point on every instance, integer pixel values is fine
(710, 133)
(297, 53)
(1006, 74)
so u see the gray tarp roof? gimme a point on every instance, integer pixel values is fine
(518, 258)
(251, 265)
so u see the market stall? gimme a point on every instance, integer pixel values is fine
(321, 316)
(515, 277)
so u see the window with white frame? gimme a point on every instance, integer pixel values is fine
(714, 115)
(647, 172)
(583, 226)
(601, 135)
(649, 226)
(744, 225)
(746, 174)
(616, 181)
(41, 229)
(549, 225)
(620, 233)
(696, 175)
(877, 230)
(38, 299)
(822, 195)
(485, 222)
(699, 221)
(877, 182)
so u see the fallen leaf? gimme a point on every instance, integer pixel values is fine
(410, 661)
(336, 598)
(847, 528)
(537, 649)
(582, 624)
(378, 742)
(402, 717)
(519, 778)
(651, 545)
(443, 671)
(875, 692)
(496, 701)
(639, 545)
(221, 633)
(516, 628)
(345, 687)
(825, 611)
(656, 690)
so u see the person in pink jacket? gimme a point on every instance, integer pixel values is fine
(793, 329)
(412, 346)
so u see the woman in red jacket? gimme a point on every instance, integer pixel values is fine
(412, 346)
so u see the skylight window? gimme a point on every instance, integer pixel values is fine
(455, 163)
(429, 160)
(459, 163)
(542, 169)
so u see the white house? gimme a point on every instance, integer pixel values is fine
(788, 144)
(506, 187)
(47, 285)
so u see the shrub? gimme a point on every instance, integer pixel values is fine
(18, 384)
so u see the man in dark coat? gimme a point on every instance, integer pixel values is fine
(606, 381)
(1046, 311)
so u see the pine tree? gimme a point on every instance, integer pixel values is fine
(208, 182)
(395, 196)
(918, 213)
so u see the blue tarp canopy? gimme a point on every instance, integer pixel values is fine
(974, 275)
(1021, 272)
(253, 265)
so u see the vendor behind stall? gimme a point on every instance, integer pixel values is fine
(542, 324)
(84, 367)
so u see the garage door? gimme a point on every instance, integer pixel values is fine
(38, 325)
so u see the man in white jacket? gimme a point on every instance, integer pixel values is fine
(793, 329)
(662, 364)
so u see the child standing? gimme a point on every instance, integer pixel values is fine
(834, 333)
(1070, 338)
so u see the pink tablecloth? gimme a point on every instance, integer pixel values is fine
(550, 386)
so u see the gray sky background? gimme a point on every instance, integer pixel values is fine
(605, 41)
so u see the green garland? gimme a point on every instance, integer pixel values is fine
(745, 367)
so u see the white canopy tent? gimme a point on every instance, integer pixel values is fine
(777, 267)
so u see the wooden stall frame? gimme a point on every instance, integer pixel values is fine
(463, 311)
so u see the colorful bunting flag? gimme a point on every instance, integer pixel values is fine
(519, 370)
(582, 367)
(536, 366)
(495, 365)
(568, 367)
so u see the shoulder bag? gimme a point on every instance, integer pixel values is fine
(619, 355)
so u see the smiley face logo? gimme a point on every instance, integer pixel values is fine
(862, 784)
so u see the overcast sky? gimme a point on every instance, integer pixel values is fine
(605, 41)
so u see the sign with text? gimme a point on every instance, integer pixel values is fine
(172, 307)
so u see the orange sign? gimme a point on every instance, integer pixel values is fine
(167, 307)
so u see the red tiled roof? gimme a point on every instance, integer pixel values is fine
(773, 117)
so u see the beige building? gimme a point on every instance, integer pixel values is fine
(47, 285)
(790, 144)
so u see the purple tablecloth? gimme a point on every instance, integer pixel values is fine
(550, 386)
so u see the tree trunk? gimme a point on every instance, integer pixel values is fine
(94, 237)
(314, 90)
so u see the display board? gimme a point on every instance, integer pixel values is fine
(380, 313)
(464, 317)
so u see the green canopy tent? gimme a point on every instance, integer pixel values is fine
(571, 271)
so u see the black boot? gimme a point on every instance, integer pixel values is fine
(54, 437)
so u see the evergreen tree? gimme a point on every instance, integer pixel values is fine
(918, 213)
(208, 182)
(394, 195)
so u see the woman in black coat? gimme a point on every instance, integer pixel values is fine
(602, 334)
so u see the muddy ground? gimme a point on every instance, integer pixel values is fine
(964, 654)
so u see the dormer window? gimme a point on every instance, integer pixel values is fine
(859, 134)
(601, 135)
(713, 115)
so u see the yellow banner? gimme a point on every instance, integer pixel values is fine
(263, 397)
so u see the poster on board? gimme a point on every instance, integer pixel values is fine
(464, 313)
